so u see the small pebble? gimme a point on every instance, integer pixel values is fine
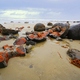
(31, 66)
(70, 40)
(59, 39)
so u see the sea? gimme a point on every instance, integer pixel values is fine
(16, 20)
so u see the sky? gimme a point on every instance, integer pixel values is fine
(40, 9)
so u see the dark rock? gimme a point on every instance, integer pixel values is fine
(4, 38)
(3, 64)
(68, 23)
(12, 36)
(49, 24)
(31, 66)
(74, 32)
(73, 53)
(70, 40)
(59, 39)
(28, 48)
(39, 27)
(1, 26)
(5, 23)
(30, 43)
(26, 22)
(12, 21)
(61, 27)
(9, 31)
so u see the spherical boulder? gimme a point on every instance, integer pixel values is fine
(39, 27)
(74, 32)
(49, 24)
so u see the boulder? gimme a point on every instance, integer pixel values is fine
(49, 24)
(26, 22)
(9, 31)
(74, 32)
(39, 27)
(74, 55)
(1, 26)
(60, 27)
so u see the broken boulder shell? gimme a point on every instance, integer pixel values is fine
(61, 28)
(74, 55)
(9, 53)
(38, 37)
(20, 41)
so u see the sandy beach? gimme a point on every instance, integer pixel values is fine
(46, 61)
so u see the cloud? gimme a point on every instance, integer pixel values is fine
(28, 13)
(54, 13)
(38, 13)
(18, 13)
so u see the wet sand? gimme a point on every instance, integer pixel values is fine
(46, 61)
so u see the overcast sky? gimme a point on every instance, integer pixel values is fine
(40, 9)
